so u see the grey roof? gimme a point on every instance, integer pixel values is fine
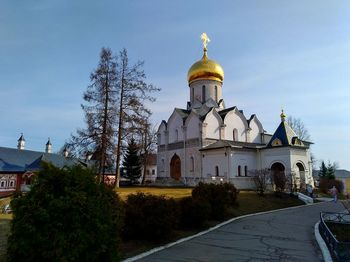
(339, 173)
(224, 112)
(16, 160)
(232, 144)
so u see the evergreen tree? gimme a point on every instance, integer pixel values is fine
(328, 171)
(66, 216)
(132, 163)
(323, 170)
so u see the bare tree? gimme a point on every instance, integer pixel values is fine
(100, 115)
(148, 144)
(299, 128)
(261, 179)
(134, 92)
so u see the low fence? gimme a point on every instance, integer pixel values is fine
(339, 250)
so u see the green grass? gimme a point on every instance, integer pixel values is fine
(249, 202)
(176, 193)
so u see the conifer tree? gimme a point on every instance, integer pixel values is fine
(132, 163)
(100, 109)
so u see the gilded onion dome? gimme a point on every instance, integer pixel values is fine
(205, 69)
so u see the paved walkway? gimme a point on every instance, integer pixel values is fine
(286, 235)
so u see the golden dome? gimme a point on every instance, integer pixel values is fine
(205, 69)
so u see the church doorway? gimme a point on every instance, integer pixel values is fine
(175, 167)
(277, 168)
(301, 176)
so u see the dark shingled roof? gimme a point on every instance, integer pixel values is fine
(286, 135)
(16, 160)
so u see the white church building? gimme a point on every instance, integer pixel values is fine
(209, 142)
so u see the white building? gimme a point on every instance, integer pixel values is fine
(207, 141)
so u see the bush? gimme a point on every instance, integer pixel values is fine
(150, 217)
(65, 217)
(279, 179)
(219, 196)
(326, 184)
(193, 213)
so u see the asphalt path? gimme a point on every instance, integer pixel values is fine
(285, 235)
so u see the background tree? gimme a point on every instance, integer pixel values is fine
(66, 216)
(327, 171)
(100, 110)
(147, 141)
(299, 128)
(132, 163)
(261, 180)
(134, 92)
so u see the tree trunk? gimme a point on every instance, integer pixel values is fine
(120, 128)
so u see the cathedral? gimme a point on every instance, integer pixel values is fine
(209, 142)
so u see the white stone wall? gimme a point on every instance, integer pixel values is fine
(255, 132)
(273, 155)
(175, 123)
(212, 124)
(192, 124)
(233, 120)
(243, 158)
(213, 158)
(209, 90)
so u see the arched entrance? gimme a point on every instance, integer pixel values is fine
(279, 177)
(277, 168)
(301, 175)
(175, 167)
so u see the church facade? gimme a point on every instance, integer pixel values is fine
(209, 142)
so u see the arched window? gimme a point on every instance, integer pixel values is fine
(176, 135)
(12, 183)
(2, 184)
(203, 94)
(235, 135)
(216, 171)
(192, 164)
(239, 170)
(245, 171)
(216, 93)
(192, 94)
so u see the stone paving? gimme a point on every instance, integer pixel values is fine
(286, 235)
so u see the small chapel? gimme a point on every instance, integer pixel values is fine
(209, 142)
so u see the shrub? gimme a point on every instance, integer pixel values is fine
(326, 184)
(150, 217)
(193, 212)
(65, 217)
(261, 180)
(279, 179)
(219, 196)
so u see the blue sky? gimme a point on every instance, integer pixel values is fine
(290, 54)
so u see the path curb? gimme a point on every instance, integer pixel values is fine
(323, 246)
(157, 249)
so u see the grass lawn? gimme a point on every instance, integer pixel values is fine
(176, 193)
